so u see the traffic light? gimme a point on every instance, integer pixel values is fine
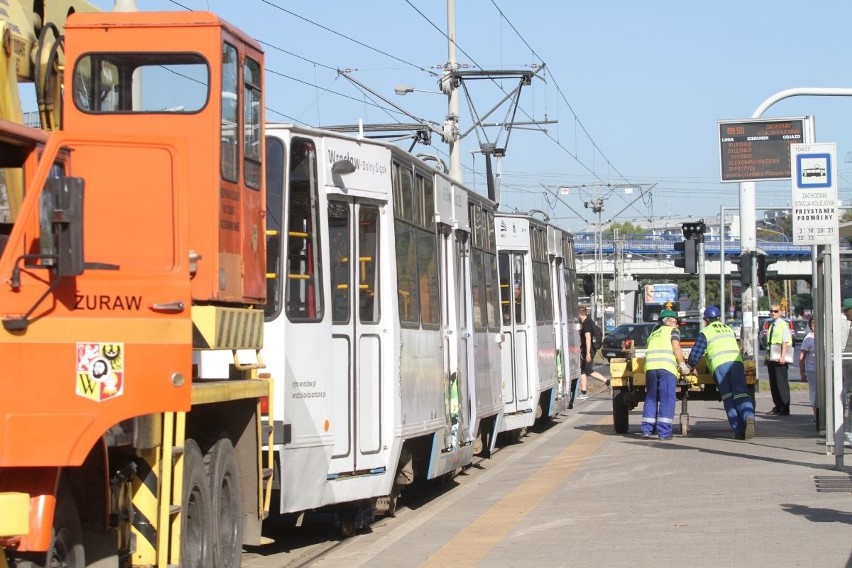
(762, 262)
(744, 263)
(689, 262)
(694, 230)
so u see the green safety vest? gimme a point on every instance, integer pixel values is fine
(721, 345)
(660, 354)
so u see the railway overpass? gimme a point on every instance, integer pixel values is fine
(653, 258)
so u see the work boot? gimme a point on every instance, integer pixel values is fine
(748, 434)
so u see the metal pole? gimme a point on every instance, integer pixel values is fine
(723, 307)
(702, 296)
(451, 125)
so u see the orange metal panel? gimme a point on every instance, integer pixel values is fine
(227, 224)
(98, 350)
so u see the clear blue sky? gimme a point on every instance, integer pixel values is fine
(642, 84)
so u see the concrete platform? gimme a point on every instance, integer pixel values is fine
(578, 494)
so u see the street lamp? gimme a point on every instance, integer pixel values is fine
(765, 222)
(405, 89)
(597, 206)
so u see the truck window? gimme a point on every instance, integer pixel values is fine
(141, 82)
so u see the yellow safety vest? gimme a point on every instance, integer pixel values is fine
(775, 334)
(660, 354)
(721, 345)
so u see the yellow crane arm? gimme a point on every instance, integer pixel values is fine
(31, 52)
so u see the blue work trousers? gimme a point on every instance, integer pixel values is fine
(660, 397)
(730, 380)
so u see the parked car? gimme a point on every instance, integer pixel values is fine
(736, 326)
(613, 343)
(800, 330)
(690, 328)
(764, 332)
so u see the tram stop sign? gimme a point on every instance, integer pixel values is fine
(814, 179)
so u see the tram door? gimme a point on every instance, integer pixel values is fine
(456, 253)
(353, 231)
(516, 391)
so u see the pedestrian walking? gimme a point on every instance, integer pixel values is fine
(807, 366)
(587, 355)
(719, 343)
(663, 360)
(779, 342)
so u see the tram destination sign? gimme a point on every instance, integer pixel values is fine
(752, 150)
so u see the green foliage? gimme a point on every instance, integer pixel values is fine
(624, 229)
(803, 303)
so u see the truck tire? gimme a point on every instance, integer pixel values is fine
(66, 542)
(620, 411)
(196, 510)
(227, 505)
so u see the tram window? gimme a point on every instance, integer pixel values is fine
(417, 201)
(339, 247)
(505, 288)
(368, 265)
(518, 285)
(427, 261)
(406, 274)
(476, 224)
(479, 302)
(405, 201)
(303, 295)
(463, 282)
(429, 204)
(492, 297)
(490, 244)
(541, 291)
(274, 210)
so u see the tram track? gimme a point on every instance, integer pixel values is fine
(310, 543)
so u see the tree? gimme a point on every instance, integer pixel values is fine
(846, 217)
(803, 303)
(624, 229)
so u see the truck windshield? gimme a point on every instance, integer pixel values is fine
(141, 82)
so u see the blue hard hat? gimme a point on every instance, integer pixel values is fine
(712, 312)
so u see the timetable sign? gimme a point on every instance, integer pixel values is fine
(814, 180)
(758, 149)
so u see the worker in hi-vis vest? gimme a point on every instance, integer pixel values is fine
(663, 359)
(719, 343)
(779, 341)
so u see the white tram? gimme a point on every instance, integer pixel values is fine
(540, 355)
(382, 327)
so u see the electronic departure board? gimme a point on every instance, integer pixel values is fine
(758, 149)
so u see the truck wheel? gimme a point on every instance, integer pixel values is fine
(196, 510)
(620, 411)
(227, 505)
(66, 542)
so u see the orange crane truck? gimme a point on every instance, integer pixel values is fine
(138, 245)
